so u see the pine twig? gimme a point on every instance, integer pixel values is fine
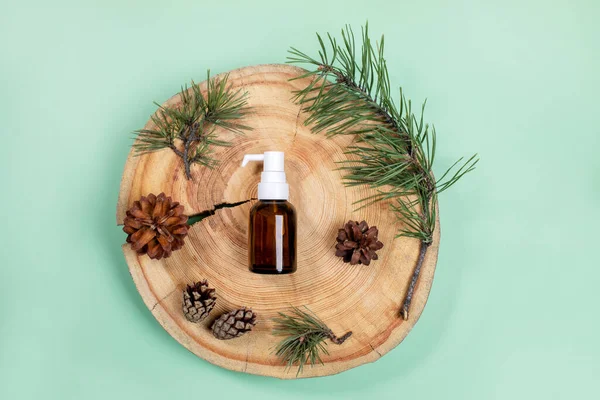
(305, 336)
(350, 94)
(188, 128)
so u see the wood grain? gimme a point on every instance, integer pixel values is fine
(364, 299)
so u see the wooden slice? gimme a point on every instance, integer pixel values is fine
(363, 299)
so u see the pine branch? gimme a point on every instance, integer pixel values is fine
(305, 336)
(188, 129)
(350, 93)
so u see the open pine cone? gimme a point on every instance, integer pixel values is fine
(234, 324)
(198, 301)
(156, 225)
(357, 243)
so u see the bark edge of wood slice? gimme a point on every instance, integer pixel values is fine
(363, 299)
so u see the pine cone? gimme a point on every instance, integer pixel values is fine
(357, 243)
(198, 301)
(156, 226)
(234, 324)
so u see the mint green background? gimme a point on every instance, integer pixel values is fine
(513, 313)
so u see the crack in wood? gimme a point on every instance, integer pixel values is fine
(298, 119)
(375, 350)
(163, 299)
(297, 122)
(192, 219)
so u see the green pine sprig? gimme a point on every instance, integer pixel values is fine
(188, 129)
(305, 338)
(350, 93)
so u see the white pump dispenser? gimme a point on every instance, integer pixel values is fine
(273, 185)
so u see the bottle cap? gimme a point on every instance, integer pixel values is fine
(273, 185)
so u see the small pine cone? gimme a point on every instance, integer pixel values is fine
(156, 225)
(198, 301)
(357, 243)
(234, 324)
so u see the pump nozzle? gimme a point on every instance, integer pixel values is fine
(252, 157)
(273, 184)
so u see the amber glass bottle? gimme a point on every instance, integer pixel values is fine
(272, 227)
(272, 238)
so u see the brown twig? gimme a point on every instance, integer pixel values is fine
(186, 157)
(188, 140)
(341, 339)
(415, 276)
